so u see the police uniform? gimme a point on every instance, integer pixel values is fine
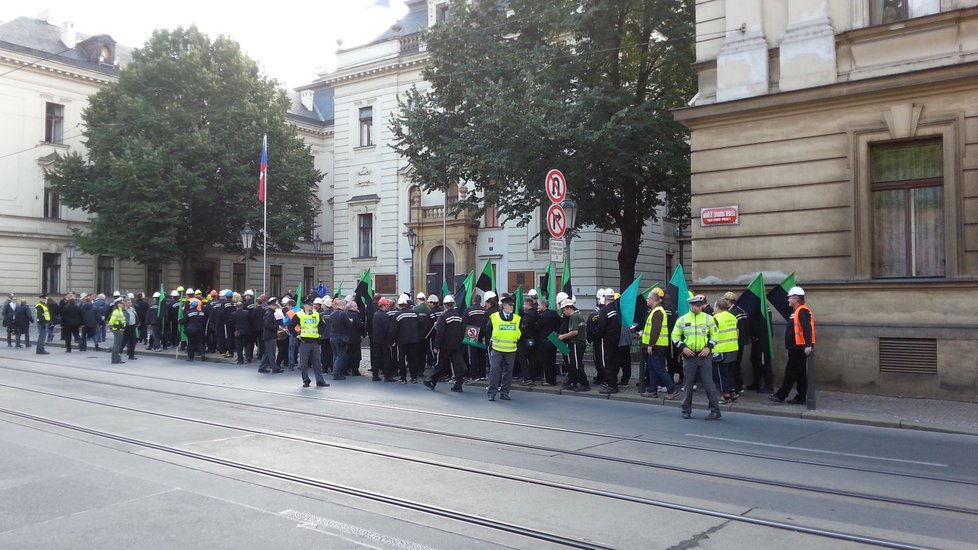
(697, 332)
(503, 333)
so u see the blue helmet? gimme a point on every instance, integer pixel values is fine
(228, 294)
(193, 303)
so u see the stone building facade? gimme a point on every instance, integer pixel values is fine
(846, 133)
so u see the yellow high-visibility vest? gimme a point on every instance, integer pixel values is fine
(663, 338)
(308, 325)
(695, 330)
(505, 334)
(726, 332)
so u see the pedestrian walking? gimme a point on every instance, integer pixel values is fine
(799, 339)
(449, 333)
(655, 345)
(577, 343)
(117, 324)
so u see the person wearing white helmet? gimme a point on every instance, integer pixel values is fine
(407, 337)
(153, 323)
(475, 320)
(421, 300)
(428, 331)
(799, 339)
(449, 333)
(591, 332)
(616, 342)
(562, 329)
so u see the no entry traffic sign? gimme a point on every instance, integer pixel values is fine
(556, 221)
(556, 186)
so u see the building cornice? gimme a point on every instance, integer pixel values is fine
(362, 73)
(958, 77)
(34, 65)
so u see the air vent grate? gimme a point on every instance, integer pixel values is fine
(908, 355)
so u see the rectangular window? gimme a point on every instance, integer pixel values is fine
(54, 123)
(543, 237)
(366, 126)
(154, 276)
(52, 204)
(365, 232)
(385, 284)
(51, 271)
(883, 12)
(275, 280)
(238, 276)
(490, 220)
(442, 13)
(105, 276)
(908, 209)
(520, 278)
(308, 280)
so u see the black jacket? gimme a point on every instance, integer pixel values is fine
(609, 324)
(449, 330)
(341, 328)
(547, 321)
(71, 316)
(380, 329)
(193, 321)
(240, 322)
(407, 327)
(89, 315)
(23, 317)
(269, 325)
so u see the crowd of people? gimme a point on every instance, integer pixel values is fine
(490, 340)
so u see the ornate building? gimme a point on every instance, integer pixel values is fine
(845, 133)
(375, 207)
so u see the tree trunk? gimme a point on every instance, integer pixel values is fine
(186, 272)
(631, 238)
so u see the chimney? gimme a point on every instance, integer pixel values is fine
(305, 96)
(68, 34)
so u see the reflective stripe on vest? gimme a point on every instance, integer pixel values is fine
(44, 310)
(799, 333)
(117, 321)
(693, 329)
(663, 338)
(726, 332)
(505, 334)
(308, 325)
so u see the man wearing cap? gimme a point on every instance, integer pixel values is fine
(129, 334)
(306, 322)
(655, 344)
(449, 333)
(695, 335)
(527, 361)
(270, 325)
(117, 324)
(380, 342)
(576, 341)
(142, 307)
(43, 316)
(407, 335)
(616, 355)
(799, 339)
(503, 332)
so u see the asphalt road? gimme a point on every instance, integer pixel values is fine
(159, 453)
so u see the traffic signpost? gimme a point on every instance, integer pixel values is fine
(557, 250)
(556, 221)
(556, 186)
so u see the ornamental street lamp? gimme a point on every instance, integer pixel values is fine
(317, 246)
(247, 237)
(412, 239)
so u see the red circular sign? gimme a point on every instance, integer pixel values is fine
(556, 221)
(556, 186)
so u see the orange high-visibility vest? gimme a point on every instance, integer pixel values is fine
(799, 333)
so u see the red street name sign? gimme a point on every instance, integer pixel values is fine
(720, 215)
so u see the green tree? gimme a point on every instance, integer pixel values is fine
(522, 86)
(173, 149)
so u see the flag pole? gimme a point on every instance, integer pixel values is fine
(264, 255)
(444, 241)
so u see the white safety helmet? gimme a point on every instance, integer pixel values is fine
(249, 292)
(402, 299)
(489, 295)
(155, 295)
(116, 294)
(421, 296)
(796, 291)
(433, 298)
(532, 293)
(317, 301)
(327, 301)
(448, 299)
(560, 297)
(174, 293)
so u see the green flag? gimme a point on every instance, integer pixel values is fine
(487, 279)
(678, 292)
(298, 293)
(180, 312)
(519, 298)
(339, 290)
(627, 302)
(566, 281)
(754, 303)
(778, 297)
(463, 294)
(445, 291)
(558, 343)
(551, 287)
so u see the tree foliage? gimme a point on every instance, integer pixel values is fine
(522, 86)
(173, 149)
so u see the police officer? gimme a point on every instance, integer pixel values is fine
(449, 333)
(307, 321)
(695, 335)
(503, 332)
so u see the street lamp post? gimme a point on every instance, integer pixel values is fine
(247, 240)
(317, 246)
(70, 249)
(412, 239)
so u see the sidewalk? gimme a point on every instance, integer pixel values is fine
(872, 410)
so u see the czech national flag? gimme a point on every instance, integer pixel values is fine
(263, 169)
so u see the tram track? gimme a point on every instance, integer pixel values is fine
(419, 506)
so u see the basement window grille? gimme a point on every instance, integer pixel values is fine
(908, 355)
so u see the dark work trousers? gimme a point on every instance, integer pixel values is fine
(616, 358)
(220, 339)
(477, 362)
(130, 338)
(736, 372)
(341, 357)
(547, 359)
(281, 357)
(575, 364)
(416, 360)
(268, 360)
(355, 355)
(309, 356)
(527, 363)
(794, 373)
(449, 361)
(404, 359)
(231, 341)
(723, 377)
(240, 342)
(68, 333)
(195, 345)
(325, 354)
(376, 359)
(387, 366)
(248, 346)
(261, 347)
(761, 367)
(598, 351)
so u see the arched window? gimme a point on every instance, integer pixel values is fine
(451, 196)
(441, 267)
